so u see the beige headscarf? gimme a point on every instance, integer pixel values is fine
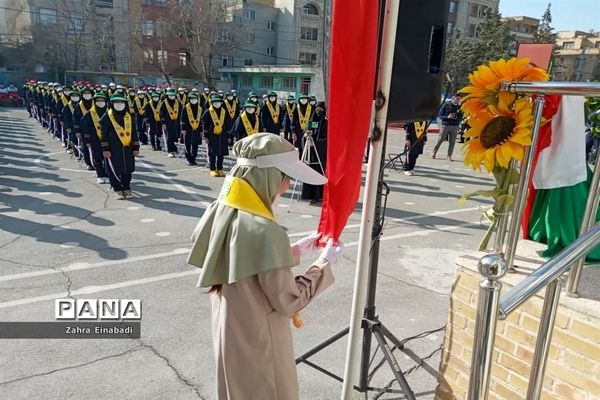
(229, 244)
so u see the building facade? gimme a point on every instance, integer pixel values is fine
(464, 17)
(523, 30)
(577, 56)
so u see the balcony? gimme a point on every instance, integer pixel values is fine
(309, 44)
(310, 18)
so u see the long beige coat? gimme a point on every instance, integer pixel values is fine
(252, 336)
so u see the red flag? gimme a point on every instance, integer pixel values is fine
(351, 86)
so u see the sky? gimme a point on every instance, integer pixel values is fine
(581, 15)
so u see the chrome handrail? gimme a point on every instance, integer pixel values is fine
(549, 271)
(569, 88)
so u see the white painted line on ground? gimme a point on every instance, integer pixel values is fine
(82, 266)
(133, 208)
(39, 159)
(97, 289)
(409, 203)
(183, 188)
(68, 245)
(78, 170)
(146, 220)
(179, 187)
(162, 234)
(306, 216)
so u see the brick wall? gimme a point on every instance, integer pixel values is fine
(573, 369)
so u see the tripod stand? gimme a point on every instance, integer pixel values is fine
(309, 146)
(371, 326)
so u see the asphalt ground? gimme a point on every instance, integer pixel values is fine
(62, 234)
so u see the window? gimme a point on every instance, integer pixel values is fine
(161, 57)
(452, 7)
(266, 81)
(271, 25)
(308, 58)
(250, 38)
(309, 33)
(464, 7)
(481, 13)
(246, 80)
(147, 27)
(310, 9)
(474, 10)
(162, 28)
(160, 3)
(248, 61)
(47, 16)
(450, 26)
(225, 61)
(598, 44)
(104, 3)
(270, 51)
(223, 36)
(472, 31)
(146, 2)
(148, 56)
(289, 83)
(568, 45)
(305, 82)
(250, 14)
(183, 58)
(75, 23)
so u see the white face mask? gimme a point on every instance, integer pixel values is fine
(155, 98)
(142, 96)
(312, 102)
(194, 101)
(181, 92)
(217, 104)
(171, 97)
(75, 99)
(100, 104)
(290, 102)
(119, 106)
(229, 98)
(207, 91)
(87, 96)
(303, 101)
(272, 99)
(253, 99)
(250, 110)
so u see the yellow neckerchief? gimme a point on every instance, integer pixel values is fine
(237, 193)
(155, 111)
(217, 121)
(173, 112)
(182, 98)
(290, 111)
(231, 109)
(71, 107)
(64, 100)
(140, 107)
(55, 97)
(194, 122)
(420, 128)
(250, 130)
(131, 105)
(304, 118)
(274, 112)
(82, 107)
(206, 97)
(96, 121)
(124, 134)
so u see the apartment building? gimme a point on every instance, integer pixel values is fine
(577, 56)
(464, 17)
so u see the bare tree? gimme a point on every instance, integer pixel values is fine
(160, 32)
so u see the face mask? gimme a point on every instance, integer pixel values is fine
(120, 90)
(217, 104)
(100, 104)
(303, 101)
(155, 98)
(290, 102)
(142, 96)
(87, 96)
(250, 110)
(75, 99)
(254, 99)
(194, 101)
(171, 97)
(229, 98)
(312, 103)
(119, 106)
(272, 99)
(207, 91)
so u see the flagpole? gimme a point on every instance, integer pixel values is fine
(370, 193)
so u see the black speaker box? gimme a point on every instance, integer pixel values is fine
(416, 86)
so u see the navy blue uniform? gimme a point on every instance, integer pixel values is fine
(218, 144)
(121, 164)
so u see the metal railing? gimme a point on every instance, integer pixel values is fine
(493, 266)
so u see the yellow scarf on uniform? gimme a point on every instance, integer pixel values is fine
(64, 100)
(82, 107)
(218, 121)
(231, 109)
(250, 130)
(304, 117)
(290, 111)
(155, 111)
(420, 128)
(274, 112)
(96, 121)
(140, 107)
(194, 122)
(123, 133)
(174, 111)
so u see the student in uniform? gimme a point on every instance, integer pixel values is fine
(302, 115)
(271, 116)
(416, 137)
(169, 116)
(182, 96)
(140, 101)
(205, 99)
(318, 127)
(91, 128)
(215, 128)
(288, 115)
(120, 146)
(152, 119)
(247, 123)
(68, 117)
(82, 108)
(191, 128)
(231, 106)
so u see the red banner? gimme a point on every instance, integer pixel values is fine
(351, 86)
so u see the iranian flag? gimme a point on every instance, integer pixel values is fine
(351, 86)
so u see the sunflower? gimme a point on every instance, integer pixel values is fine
(484, 91)
(498, 138)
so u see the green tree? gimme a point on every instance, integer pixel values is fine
(544, 31)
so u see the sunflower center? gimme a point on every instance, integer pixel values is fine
(497, 131)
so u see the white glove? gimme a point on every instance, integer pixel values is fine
(332, 252)
(306, 245)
